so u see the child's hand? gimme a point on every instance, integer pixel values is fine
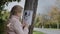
(25, 24)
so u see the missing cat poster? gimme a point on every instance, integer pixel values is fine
(27, 16)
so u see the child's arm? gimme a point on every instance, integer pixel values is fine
(19, 28)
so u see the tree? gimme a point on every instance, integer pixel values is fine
(41, 20)
(55, 15)
(37, 21)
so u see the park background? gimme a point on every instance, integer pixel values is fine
(47, 14)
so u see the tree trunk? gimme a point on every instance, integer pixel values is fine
(31, 5)
(57, 25)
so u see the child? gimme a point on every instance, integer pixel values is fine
(14, 25)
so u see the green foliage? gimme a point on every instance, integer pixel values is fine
(4, 15)
(37, 21)
(51, 20)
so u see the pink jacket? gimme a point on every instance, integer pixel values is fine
(15, 26)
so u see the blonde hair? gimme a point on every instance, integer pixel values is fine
(15, 9)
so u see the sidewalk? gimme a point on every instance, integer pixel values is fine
(48, 31)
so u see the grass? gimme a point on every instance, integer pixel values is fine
(37, 32)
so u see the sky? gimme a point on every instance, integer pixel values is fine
(43, 5)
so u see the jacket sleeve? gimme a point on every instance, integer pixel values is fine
(18, 28)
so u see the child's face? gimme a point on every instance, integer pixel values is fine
(19, 14)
